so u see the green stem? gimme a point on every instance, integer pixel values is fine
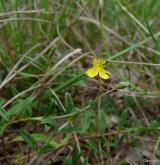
(103, 35)
(99, 106)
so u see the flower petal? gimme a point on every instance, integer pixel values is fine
(92, 72)
(103, 74)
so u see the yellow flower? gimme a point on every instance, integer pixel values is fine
(98, 68)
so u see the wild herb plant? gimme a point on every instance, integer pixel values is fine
(58, 103)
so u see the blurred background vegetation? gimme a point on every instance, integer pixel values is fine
(51, 113)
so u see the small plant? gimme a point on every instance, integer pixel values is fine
(54, 107)
(98, 69)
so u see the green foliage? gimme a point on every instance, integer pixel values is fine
(103, 122)
(49, 122)
(123, 119)
(93, 146)
(87, 121)
(45, 48)
(68, 103)
(3, 114)
(22, 108)
(37, 137)
(3, 127)
(75, 157)
(46, 148)
(30, 140)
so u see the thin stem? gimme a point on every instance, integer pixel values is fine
(103, 34)
(99, 105)
(101, 155)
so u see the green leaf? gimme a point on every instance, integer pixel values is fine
(47, 148)
(75, 155)
(47, 163)
(67, 162)
(123, 119)
(3, 126)
(2, 101)
(85, 162)
(49, 122)
(103, 122)
(3, 114)
(146, 9)
(37, 137)
(68, 129)
(69, 82)
(65, 140)
(14, 90)
(22, 108)
(26, 75)
(30, 140)
(93, 146)
(86, 121)
(68, 103)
